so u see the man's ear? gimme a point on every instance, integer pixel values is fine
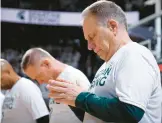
(45, 63)
(113, 25)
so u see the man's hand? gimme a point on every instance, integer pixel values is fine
(63, 91)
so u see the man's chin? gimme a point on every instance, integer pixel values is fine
(101, 57)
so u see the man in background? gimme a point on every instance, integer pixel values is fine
(39, 65)
(23, 102)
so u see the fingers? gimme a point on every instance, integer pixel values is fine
(61, 80)
(59, 83)
(57, 95)
(56, 89)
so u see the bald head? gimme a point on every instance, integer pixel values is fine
(8, 75)
(33, 56)
(39, 65)
(5, 66)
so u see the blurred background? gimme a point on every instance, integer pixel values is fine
(55, 25)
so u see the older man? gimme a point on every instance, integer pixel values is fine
(127, 87)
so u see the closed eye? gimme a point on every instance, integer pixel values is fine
(91, 38)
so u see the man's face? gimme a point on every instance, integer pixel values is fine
(6, 80)
(100, 38)
(42, 72)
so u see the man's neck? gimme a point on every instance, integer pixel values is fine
(121, 40)
(59, 67)
(123, 37)
(16, 78)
